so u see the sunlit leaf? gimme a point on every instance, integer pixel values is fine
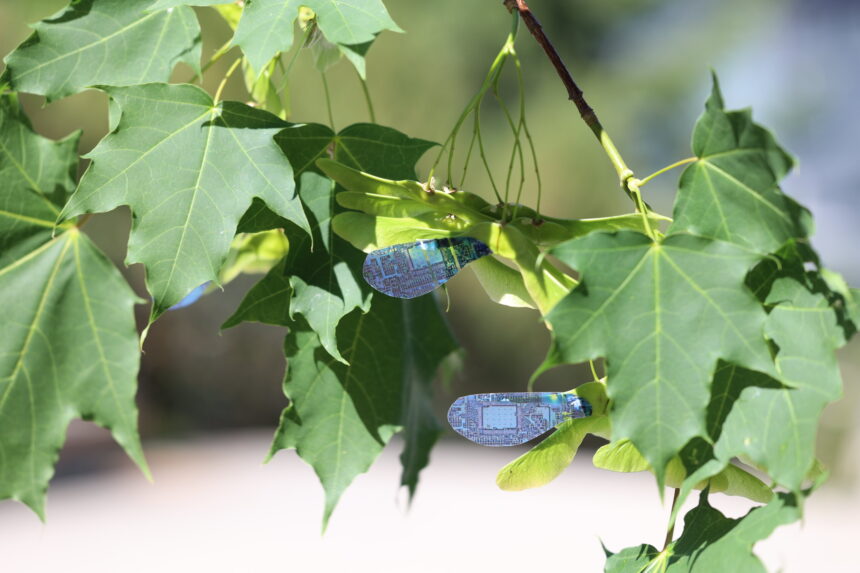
(69, 350)
(502, 284)
(222, 155)
(254, 253)
(711, 541)
(369, 233)
(732, 192)
(163, 4)
(318, 283)
(622, 456)
(266, 27)
(773, 423)
(544, 462)
(69, 346)
(661, 317)
(104, 42)
(342, 416)
(549, 231)
(35, 179)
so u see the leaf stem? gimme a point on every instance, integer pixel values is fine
(83, 220)
(367, 98)
(594, 371)
(473, 105)
(219, 53)
(522, 90)
(327, 101)
(671, 532)
(483, 154)
(632, 184)
(667, 168)
(226, 77)
(285, 72)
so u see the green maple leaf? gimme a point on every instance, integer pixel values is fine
(104, 42)
(69, 349)
(661, 314)
(731, 192)
(711, 541)
(317, 281)
(266, 27)
(390, 153)
(377, 149)
(321, 277)
(327, 54)
(373, 371)
(188, 169)
(773, 421)
(69, 344)
(36, 174)
(342, 416)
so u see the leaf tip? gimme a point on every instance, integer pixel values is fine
(329, 509)
(715, 101)
(140, 460)
(606, 550)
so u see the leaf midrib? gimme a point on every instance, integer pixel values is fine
(749, 190)
(91, 322)
(27, 219)
(90, 45)
(13, 377)
(145, 154)
(196, 190)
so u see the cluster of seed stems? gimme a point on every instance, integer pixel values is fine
(519, 127)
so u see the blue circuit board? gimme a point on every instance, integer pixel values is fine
(412, 269)
(513, 418)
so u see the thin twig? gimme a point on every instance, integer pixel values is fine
(574, 93)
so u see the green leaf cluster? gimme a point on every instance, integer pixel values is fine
(69, 346)
(215, 188)
(711, 541)
(717, 327)
(717, 334)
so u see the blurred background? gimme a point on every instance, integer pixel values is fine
(209, 400)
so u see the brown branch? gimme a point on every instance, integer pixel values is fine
(625, 175)
(574, 93)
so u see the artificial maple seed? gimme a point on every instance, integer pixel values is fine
(513, 418)
(412, 269)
